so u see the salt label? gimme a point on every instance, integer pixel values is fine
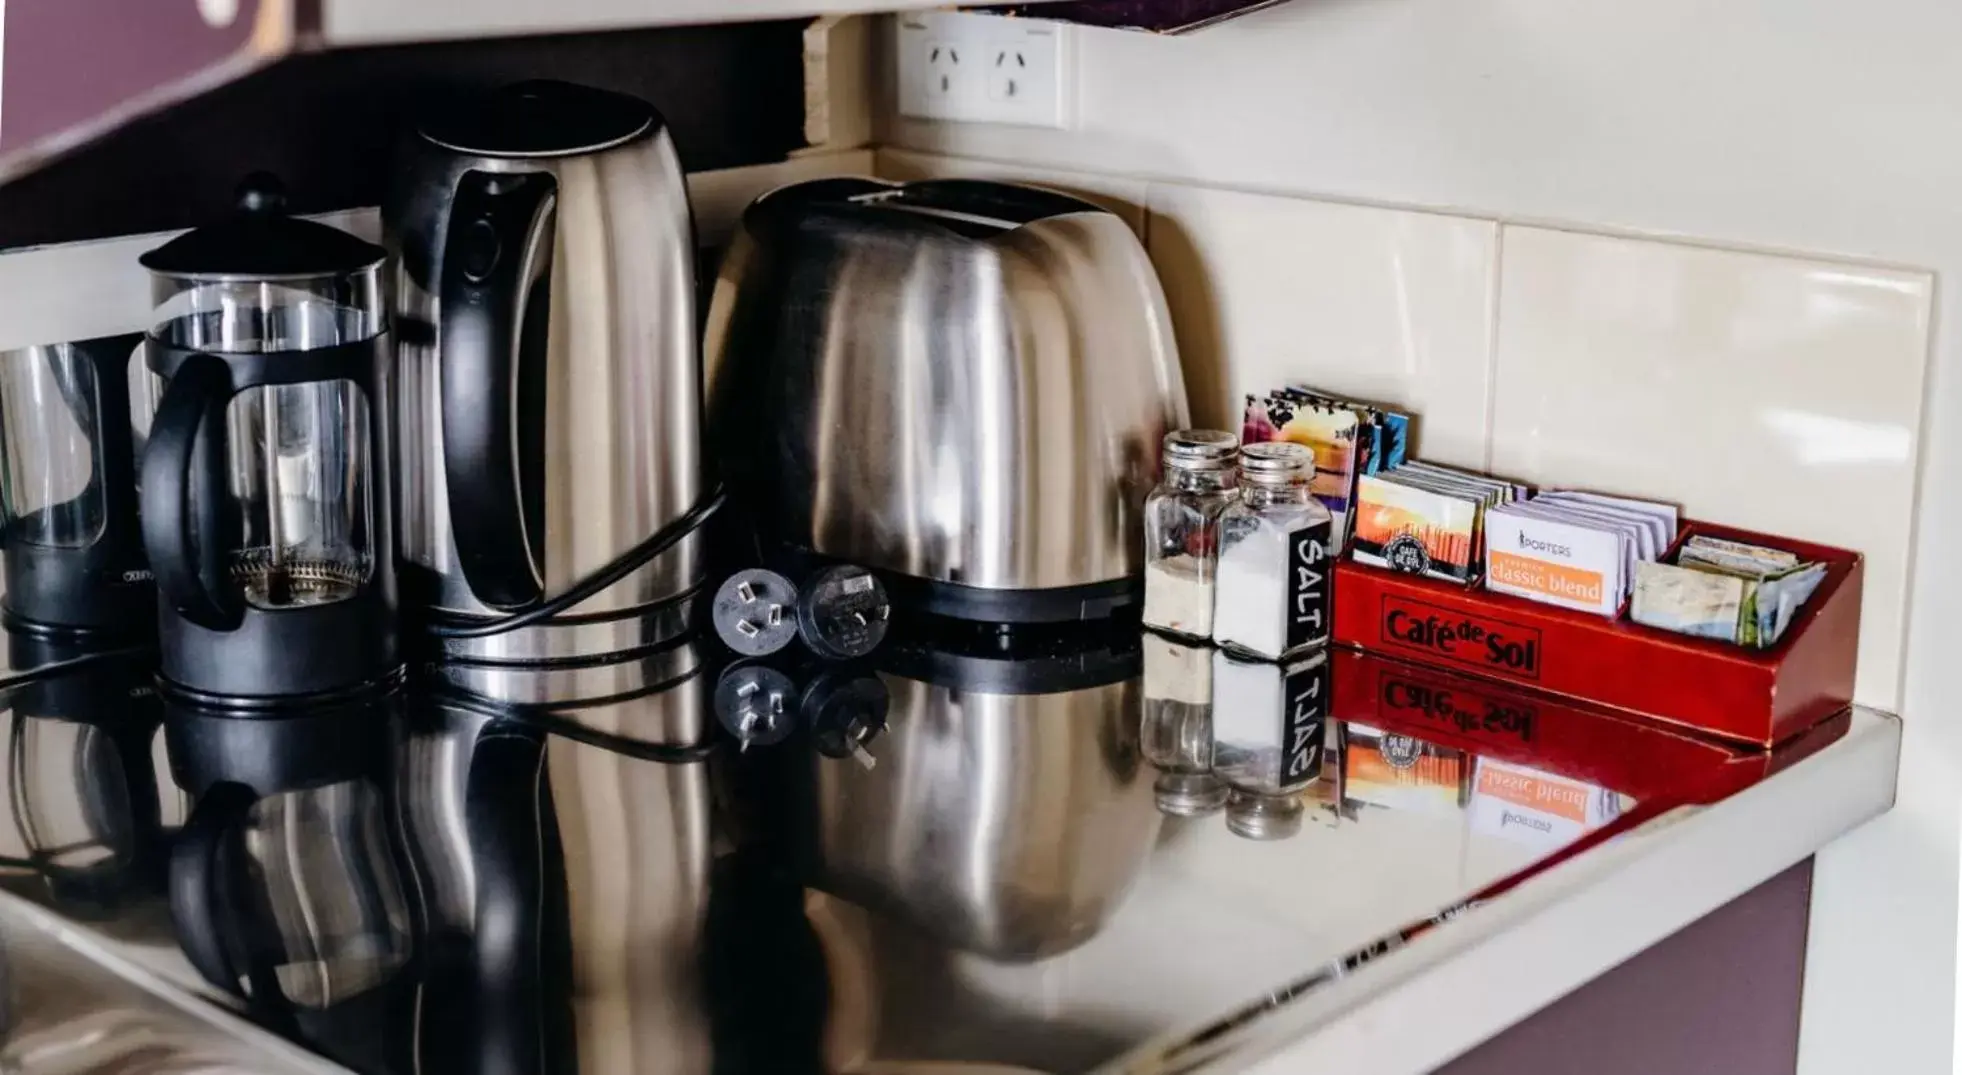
(1308, 586)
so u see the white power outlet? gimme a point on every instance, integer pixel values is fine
(983, 69)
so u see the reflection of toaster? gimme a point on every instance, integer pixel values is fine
(961, 384)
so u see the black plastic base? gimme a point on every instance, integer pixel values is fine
(314, 653)
(1063, 604)
(288, 749)
(1015, 659)
(99, 589)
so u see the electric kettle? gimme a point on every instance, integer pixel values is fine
(961, 385)
(550, 379)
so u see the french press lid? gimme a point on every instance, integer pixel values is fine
(260, 239)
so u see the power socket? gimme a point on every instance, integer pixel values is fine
(983, 69)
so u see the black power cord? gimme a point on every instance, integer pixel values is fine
(626, 564)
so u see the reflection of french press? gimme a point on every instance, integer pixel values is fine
(83, 830)
(265, 482)
(73, 552)
(288, 882)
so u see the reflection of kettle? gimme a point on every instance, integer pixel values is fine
(1009, 810)
(564, 875)
(86, 830)
(286, 882)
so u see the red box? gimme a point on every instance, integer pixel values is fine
(1751, 696)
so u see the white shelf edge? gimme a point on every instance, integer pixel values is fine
(376, 22)
(1415, 1008)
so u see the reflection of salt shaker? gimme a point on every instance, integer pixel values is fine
(1177, 728)
(1269, 722)
(1273, 585)
(1264, 817)
(1182, 530)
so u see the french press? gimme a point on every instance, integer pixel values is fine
(73, 551)
(265, 482)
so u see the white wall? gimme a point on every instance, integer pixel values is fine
(1827, 130)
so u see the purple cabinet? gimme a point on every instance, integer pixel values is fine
(72, 69)
(1162, 16)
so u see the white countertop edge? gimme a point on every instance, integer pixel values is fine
(1419, 1006)
(198, 1005)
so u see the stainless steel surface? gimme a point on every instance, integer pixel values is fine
(521, 650)
(565, 684)
(1007, 825)
(614, 854)
(941, 392)
(622, 381)
(997, 890)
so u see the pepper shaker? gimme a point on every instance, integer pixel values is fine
(1182, 530)
(1273, 587)
(1177, 727)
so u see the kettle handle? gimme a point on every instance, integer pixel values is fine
(505, 802)
(182, 496)
(494, 294)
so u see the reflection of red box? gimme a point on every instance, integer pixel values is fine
(1652, 763)
(1663, 769)
(1754, 696)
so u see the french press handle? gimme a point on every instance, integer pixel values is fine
(226, 933)
(183, 504)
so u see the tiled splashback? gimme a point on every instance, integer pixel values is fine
(1777, 392)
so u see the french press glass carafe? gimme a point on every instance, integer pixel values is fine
(73, 553)
(265, 479)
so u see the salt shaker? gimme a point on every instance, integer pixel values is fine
(1182, 530)
(1273, 583)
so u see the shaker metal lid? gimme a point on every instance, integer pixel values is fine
(1263, 817)
(259, 239)
(540, 118)
(1276, 462)
(1189, 794)
(1201, 449)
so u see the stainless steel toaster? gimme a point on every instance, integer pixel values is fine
(959, 384)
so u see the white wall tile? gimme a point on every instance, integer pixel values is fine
(1119, 194)
(1776, 393)
(1386, 304)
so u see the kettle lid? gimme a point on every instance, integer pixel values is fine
(259, 238)
(540, 118)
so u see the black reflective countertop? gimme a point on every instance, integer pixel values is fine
(1055, 851)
